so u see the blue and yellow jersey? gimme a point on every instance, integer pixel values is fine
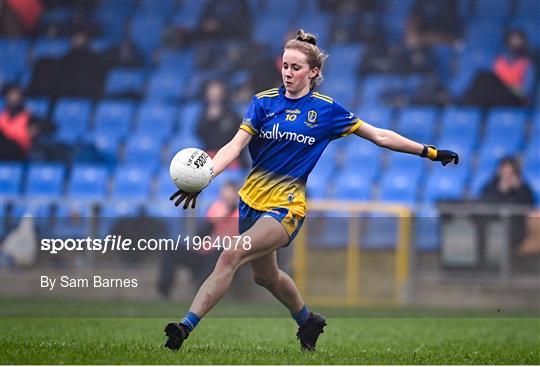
(289, 136)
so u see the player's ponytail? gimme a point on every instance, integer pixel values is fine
(306, 37)
(307, 44)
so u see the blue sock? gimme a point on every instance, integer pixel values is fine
(301, 316)
(191, 320)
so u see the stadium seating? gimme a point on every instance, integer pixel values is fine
(50, 48)
(38, 107)
(166, 86)
(142, 150)
(45, 180)
(88, 182)
(113, 117)
(145, 31)
(124, 81)
(131, 183)
(72, 117)
(12, 176)
(156, 120)
(418, 123)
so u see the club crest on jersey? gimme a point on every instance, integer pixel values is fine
(311, 118)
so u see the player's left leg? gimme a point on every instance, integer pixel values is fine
(267, 274)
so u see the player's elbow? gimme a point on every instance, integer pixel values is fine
(381, 138)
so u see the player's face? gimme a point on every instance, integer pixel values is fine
(296, 73)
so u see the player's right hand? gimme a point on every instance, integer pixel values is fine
(182, 195)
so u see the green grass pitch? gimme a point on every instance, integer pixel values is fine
(256, 340)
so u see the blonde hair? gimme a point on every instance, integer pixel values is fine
(307, 44)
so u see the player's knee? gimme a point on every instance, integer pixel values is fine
(265, 280)
(230, 259)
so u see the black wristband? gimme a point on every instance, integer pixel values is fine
(424, 151)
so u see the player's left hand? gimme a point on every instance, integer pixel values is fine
(447, 156)
(182, 195)
(443, 156)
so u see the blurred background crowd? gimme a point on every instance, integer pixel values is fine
(99, 95)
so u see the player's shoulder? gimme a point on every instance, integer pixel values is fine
(269, 93)
(322, 97)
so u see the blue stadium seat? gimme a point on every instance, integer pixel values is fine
(50, 48)
(176, 61)
(353, 186)
(364, 157)
(188, 117)
(165, 186)
(406, 163)
(106, 144)
(483, 37)
(131, 183)
(188, 14)
(124, 81)
(344, 61)
(145, 31)
(72, 116)
(376, 116)
(156, 120)
(374, 86)
(381, 232)
(527, 9)
(166, 86)
(88, 182)
(495, 147)
(399, 186)
(164, 8)
(113, 117)
(45, 180)
(506, 121)
(495, 10)
(112, 17)
(342, 89)
(14, 60)
(38, 106)
(142, 150)
(461, 123)
(273, 39)
(418, 123)
(446, 183)
(11, 175)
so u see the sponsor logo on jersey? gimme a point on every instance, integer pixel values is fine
(290, 198)
(276, 134)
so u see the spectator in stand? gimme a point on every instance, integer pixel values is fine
(79, 73)
(432, 23)
(225, 20)
(82, 72)
(511, 79)
(509, 188)
(19, 18)
(218, 122)
(19, 130)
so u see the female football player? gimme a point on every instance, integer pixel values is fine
(287, 130)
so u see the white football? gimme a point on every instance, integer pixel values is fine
(191, 169)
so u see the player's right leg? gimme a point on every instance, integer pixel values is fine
(265, 236)
(267, 274)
